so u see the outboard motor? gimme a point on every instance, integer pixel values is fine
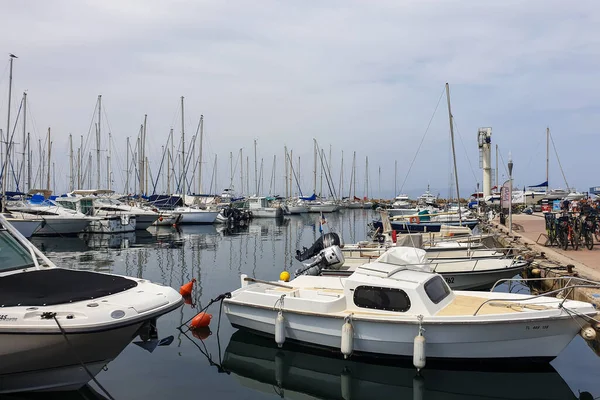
(327, 240)
(330, 257)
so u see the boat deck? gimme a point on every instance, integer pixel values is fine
(468, 305)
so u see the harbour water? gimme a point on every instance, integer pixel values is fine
(227, 364)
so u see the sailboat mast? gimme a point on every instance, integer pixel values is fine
(241, 172)
(453, 152)
(25, 154)
(98, 133)
(315, 167)
(395, 178)
(548, 157)
(182, 152)
(200, 155)
(108, 168)
(367, 177)
(49, 155)
(354, 176)
(287, 167)
(291, 171)
(127, 168)
(342, 176)
(28, 161)
(255, 170)
(70, 162)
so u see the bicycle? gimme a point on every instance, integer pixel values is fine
(589, 226)
(551, 229)
(562, 231)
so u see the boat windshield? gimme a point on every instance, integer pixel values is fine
(12, 254)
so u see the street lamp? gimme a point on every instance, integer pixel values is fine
(510, 168)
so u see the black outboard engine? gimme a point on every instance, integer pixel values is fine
(330, 257)
(327, 240)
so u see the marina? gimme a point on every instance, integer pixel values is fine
(330, 201)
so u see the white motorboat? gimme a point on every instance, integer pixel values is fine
(322, 206)
(107, 221)
(57, 220)
(382, 307)
(106, 203)
(54, 320)
(197, 216)
(260, 208)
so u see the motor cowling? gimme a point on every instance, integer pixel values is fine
(327, 240)
(330, 257)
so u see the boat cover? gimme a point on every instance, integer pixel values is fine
(402, 255)
(58, 286)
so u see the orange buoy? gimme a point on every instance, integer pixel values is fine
(186, 290)
(187, 298)
(160, 218)
(202, 333)
(202, 320)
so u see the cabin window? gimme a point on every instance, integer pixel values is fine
(437, 289)
(381, 298)
(87, 207)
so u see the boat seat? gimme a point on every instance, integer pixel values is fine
(467, 305)
(58, 286)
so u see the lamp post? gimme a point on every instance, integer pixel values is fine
(510, 168)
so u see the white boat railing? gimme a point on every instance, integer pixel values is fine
(556, 278)
(518, 301)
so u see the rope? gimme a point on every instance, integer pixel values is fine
(53, 316)
(422, 140)
(221, 297)
(559, 164)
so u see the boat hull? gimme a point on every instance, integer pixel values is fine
(448, 340)
(112, 224)
(144, 221)
(62, 226)
(197, 217)
(47, 362)
(296, 209)
(326, 208)
(424, 227)
(271, 212)
(25, 227)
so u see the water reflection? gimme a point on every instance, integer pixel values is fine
(261, 366)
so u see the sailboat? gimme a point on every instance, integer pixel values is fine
(541, 191)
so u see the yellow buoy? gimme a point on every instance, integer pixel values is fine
(284, 276)
(535, 272)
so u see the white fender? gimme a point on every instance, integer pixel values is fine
(588, 333)
(279, 329)
(347, 345)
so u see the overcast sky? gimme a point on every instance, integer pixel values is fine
(362, 76)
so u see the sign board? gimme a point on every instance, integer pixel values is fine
(556, 205)
(595, 190)
(505, 195)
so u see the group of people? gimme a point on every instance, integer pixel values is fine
(584, 206)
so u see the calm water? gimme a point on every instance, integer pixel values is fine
(229, 365)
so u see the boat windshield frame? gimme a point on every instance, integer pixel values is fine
(9, 244)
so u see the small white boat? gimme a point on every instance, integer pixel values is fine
(197, 216)
(383, 309)
(56, 320)
(260, 208)
(322, 206)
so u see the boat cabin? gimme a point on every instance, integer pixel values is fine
(258, 202)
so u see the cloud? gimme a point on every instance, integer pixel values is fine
(359, 76)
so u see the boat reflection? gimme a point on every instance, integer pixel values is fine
(55, 244)
(261, 365)
(85, 393)
(111, 241)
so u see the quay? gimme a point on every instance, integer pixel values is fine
(529, 240)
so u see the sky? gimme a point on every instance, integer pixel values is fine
(357, 76)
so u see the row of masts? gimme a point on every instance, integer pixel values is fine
(137, 162)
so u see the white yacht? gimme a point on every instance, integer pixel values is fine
(57, 220)
(386, 309)
(107, 221)
(54, 320)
